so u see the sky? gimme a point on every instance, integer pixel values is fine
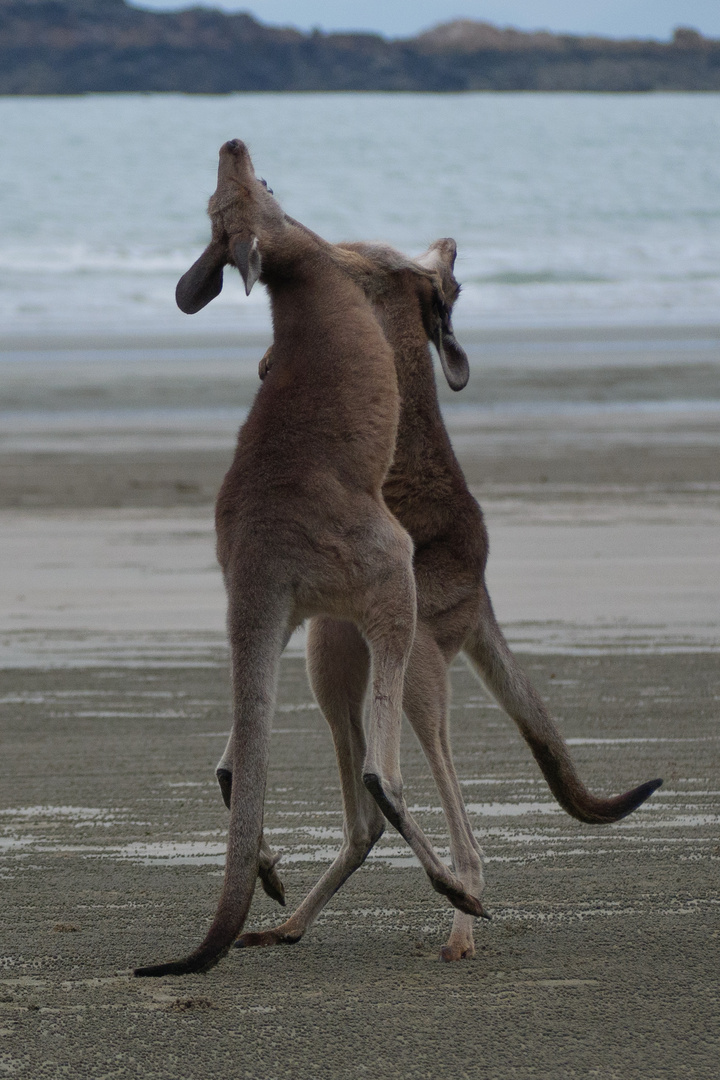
(397, 18)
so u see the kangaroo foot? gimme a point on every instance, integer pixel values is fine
(458, 949)
(224, 779)
(458, 897)
(261, 939)
(271, 881)
(448, 953)
(442, 880)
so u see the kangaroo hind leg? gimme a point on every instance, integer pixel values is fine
(256, 634)
(426, 702)
(339, 668)
(388, 623)
(269, 876)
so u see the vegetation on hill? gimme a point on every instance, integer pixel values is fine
(77, 46)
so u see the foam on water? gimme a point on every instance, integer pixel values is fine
(564, 206)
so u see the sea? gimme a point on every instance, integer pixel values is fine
(588, 233)
(568, 209)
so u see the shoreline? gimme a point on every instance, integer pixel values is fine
(565, 441)
(231, 333)
(626, 573)
(199, 370)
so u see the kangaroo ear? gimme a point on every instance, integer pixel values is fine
(247, 258)
(203, 281)
(452, 356)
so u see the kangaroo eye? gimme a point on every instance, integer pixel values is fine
(265, 185)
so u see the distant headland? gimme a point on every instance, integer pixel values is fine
(82, 46)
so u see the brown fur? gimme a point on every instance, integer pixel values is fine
(427, 492)
(302, 527)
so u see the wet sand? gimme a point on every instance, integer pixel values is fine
(602, 957)
(565, 574)
(152, 422)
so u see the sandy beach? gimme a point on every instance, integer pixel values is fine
(595, 456)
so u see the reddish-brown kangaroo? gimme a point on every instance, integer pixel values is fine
(427, 492)
(302, 526)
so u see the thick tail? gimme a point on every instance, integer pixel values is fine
(490, 654)
(256, 653)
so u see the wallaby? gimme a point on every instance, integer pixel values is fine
(302, 527)
(427, 492)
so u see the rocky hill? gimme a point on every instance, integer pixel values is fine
(77, 46)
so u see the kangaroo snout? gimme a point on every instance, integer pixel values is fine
(234, 162)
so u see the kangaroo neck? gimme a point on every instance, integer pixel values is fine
(312, 301)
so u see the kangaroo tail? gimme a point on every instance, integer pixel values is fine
(256, 641)
(490, 654)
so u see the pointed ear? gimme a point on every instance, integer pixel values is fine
(247, 258)
(452, 356)
(203, 281)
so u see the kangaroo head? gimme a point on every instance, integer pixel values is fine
(247, 225)
(437, 311)
(437, 289)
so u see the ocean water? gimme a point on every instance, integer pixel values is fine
(567, 209)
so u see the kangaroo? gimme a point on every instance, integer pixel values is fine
(426, 490)
(302, 527)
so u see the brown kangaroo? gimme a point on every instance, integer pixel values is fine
(302, 527)
(427, 492)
